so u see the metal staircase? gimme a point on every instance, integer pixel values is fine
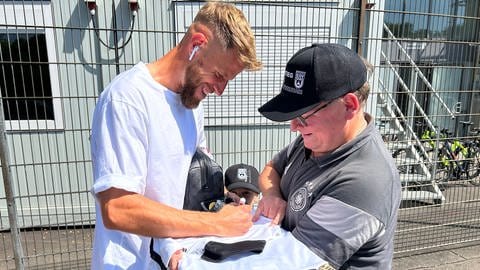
(416, 168)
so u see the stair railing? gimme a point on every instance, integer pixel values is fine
(418, 72)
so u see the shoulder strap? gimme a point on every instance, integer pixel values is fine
(155, 256)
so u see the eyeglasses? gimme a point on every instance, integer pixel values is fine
(303, 120)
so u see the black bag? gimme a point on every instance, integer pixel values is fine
(217, 251)
(204, 183)
(204, 187)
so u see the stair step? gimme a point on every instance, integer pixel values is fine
(382, 104)
(406, 161)
(395, 145)
(421, 195)
(414, 178)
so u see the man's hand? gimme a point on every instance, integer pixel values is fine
(272, 207)
(234, 220)
(235, 198)
(175, 260)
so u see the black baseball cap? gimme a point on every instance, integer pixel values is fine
(242, 176)
(320, 72)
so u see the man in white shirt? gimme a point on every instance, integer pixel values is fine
(146, 127)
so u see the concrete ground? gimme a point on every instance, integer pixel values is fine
(422, 224)
(457, 257)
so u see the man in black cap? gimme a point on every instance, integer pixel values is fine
(242, 180)
(335, 187)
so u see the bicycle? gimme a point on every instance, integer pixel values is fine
(457, 160)
(473, 146)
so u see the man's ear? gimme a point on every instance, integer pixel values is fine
(352, 104)
(198, 39)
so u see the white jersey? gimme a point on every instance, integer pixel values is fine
(142, 141)
(281, 251)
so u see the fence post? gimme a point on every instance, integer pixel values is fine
(361, 27)
(9, 194)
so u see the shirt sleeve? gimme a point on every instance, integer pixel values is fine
(118, 144)
(335, 230)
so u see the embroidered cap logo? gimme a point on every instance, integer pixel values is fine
(242, 174)
(299, 78)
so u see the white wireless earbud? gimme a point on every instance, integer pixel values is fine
(194, 51)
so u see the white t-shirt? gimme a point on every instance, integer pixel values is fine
(142, 141)
(282, 251)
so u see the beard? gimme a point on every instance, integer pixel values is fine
(192, 82)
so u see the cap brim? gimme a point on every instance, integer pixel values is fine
(243, 185)
(285, 106)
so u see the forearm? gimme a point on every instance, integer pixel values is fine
(272, 204)
(134, 213)
(269, 181)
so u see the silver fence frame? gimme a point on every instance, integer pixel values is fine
(47, 213)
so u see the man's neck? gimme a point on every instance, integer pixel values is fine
(168, 71)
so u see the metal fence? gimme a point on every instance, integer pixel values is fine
(57, 56)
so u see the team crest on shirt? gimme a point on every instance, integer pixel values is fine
(299, 199)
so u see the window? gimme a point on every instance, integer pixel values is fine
(437, 19)
(28, 71)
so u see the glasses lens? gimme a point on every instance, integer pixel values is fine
(302, 121)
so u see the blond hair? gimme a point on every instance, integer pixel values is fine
(232, 30)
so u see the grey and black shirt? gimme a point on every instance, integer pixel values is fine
(343, 205)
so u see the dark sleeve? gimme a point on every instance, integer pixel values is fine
(279, 161)
(327, 229)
